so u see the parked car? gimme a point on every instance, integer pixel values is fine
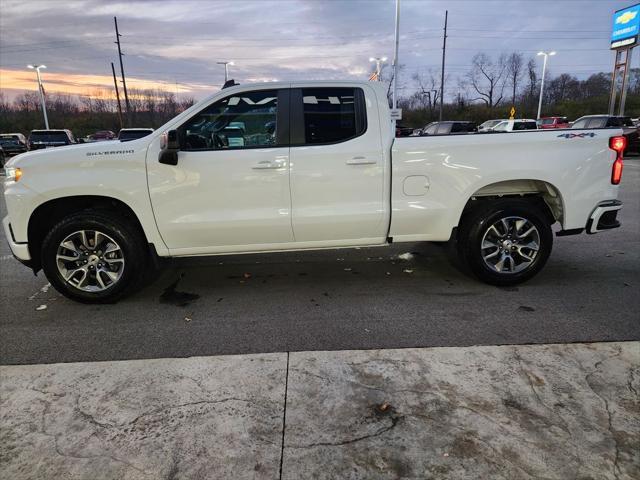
(515, 125)
(449, 128)
(13, 143)
(554, 122)
(630, 130)
(102, 135)
(126, 134)
(50, 138)
(181, 191)
(488, 125)
(2, 157)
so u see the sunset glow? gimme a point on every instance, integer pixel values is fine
(86, 85)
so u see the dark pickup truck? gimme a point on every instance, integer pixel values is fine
(50, 138)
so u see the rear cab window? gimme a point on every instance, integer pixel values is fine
(327, 115)
(519, 126)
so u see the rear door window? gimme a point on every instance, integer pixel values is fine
(444, 129)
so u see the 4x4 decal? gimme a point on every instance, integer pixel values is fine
(579, 135)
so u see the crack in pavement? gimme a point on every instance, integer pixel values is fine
(394, 421)
(616, 459)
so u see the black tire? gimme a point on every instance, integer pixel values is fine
(476, 223)
(122, 230)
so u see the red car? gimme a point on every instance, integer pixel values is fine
(554, 122)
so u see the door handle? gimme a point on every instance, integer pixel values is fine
(269, 165)
(359, 160)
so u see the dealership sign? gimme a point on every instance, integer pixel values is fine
(626, 27)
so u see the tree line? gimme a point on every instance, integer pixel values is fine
(489, 89)
(84, 115)
(492, 86)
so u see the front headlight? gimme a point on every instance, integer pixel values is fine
(13, 173)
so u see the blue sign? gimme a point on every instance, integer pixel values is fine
(626, 27)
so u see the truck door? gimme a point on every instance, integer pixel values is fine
(230, 188)
(337, 166)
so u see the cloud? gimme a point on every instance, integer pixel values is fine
(168, 42)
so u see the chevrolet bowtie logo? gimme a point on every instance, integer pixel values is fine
(626, 17)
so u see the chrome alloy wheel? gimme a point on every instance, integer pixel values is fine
(510, 245)
(90, 260)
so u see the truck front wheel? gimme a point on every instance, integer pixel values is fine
(505, 242)
(93, 257)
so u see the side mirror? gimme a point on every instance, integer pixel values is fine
(169, 147)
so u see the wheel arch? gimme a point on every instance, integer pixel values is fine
(541, 192)
(47, 214)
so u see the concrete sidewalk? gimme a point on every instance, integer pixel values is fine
(515, 412)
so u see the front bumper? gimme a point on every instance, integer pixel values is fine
(19, 250)
(604, 216)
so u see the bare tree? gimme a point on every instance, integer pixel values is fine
(428, 91)
(533, 77)
(515, 66)
(561, 88)
(488, 78)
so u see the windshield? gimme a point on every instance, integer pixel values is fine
(57, 137)
(548, 121)
(133, 134)
(490, 123)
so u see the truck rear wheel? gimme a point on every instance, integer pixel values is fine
(92, 257)
(505, 242)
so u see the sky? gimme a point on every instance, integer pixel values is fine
(174, 44)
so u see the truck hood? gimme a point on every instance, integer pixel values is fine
(84, 151)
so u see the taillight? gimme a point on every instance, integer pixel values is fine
(618, 144)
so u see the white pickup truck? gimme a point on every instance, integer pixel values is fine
(303, 165)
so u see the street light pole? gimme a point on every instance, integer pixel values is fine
(544, 71)
(226, 69)
(394, 99)
(379, 61)
(44, 106)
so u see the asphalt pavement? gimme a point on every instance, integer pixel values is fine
(364, 298)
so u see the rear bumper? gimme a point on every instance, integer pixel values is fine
(604, 217)
(19, 250)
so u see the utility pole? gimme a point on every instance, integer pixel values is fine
(115, 84)
(395, 62)
(124, 83)
(444, 52)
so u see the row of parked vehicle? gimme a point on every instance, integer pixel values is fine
(14, 143)
(630, 127)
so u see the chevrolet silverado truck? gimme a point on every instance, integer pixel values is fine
(297, 166)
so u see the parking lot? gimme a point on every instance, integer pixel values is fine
(367, 298)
